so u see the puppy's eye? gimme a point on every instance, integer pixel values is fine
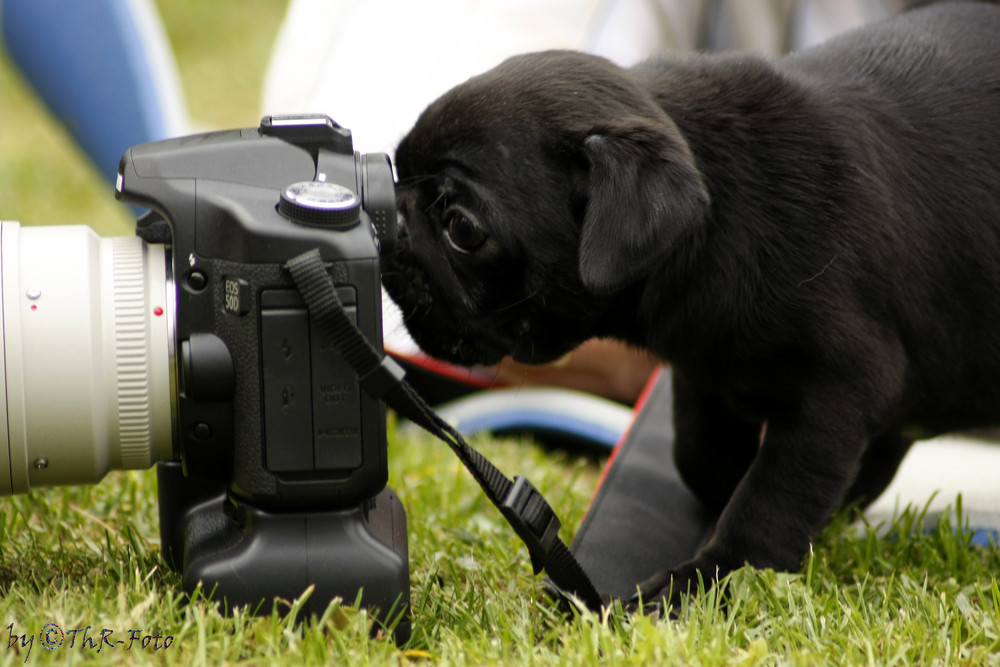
(464, 234)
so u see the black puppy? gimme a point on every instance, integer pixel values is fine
(813, 243)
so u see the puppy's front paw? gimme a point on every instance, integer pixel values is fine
(664, 591)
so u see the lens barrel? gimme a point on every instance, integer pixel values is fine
(87, 351)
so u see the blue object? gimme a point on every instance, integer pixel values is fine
(571, 416)
(102, 66)
(985, 537)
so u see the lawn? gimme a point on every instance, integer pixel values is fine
(85, 561)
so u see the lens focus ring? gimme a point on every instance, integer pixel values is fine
(131, 362)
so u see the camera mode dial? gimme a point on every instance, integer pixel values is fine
(321, 204)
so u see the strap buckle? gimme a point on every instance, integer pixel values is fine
(533, 520)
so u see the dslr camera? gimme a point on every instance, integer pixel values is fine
(189, 346)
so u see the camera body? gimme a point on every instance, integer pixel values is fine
(264, 405)
(191, 346)
(279, 477)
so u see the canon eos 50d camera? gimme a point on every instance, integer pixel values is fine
(189, 345)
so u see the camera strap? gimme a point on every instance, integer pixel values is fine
(527, 511)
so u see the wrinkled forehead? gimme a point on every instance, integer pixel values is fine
(528, 101)
(467, 131)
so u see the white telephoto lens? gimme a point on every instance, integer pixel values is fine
(87, 353)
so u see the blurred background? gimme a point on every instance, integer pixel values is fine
(221, 47)
(390, 56)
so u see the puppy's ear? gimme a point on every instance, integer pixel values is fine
(645, 194)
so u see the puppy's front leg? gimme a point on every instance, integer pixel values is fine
(803, 468)
(713, 445)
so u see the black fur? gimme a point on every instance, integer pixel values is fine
(813, 243)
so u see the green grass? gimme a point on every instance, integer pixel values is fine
(89, 556)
